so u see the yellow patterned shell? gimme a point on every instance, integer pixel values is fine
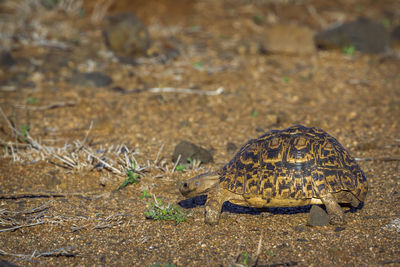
(295, 163)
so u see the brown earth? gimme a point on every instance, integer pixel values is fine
(354, 98)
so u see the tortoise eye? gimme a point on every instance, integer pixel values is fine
(196, 183)
(185, 185)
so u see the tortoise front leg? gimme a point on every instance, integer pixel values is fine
(335, 212)
(213, 206)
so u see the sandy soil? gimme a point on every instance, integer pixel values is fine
(355, 98)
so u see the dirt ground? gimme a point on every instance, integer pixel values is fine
(74, 216)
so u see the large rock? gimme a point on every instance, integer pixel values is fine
(6, 59)
(395, 37)
(288, 38)
(126, 35)
(365, 35)
(189, 150)
(91, 79)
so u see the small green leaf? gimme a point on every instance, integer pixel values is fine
(82, 12)
(31, 100)
(50, 4)
(25, 129)
(271, 253)
(245, 258)
(180, 168)
(198, 65)
(349, 50)
(286, 79)
(195, 28)
(386, 23)
(145, 194)
(254, 113)
(258, 19)
(131, 179)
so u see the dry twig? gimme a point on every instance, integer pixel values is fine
(176, 90)
(50, 106)
(313, 12)
(258, 252)
(378, 159)
(66, 251)
(48, 195)
(20, 226)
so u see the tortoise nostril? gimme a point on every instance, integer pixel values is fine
(185, 185)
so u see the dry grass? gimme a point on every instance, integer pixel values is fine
(78, 156)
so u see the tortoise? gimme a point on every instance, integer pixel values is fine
(297, 166)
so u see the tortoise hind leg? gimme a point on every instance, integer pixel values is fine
(335, 212)
(347, 197)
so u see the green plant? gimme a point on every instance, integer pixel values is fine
(258, 19)
(195, 28)
(161, 211)
(133, 178)
(243, 260)
(31, 100)
(145, 194)
(286, 79)
(192, 164)
(82, 12)
(349, 50)
(180, 168)
(198, 65)
(25, 129)
(254, 113)
(50, 4)
(386, 23)
(271, 253)
(75, 40)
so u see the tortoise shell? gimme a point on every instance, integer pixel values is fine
(297, 163)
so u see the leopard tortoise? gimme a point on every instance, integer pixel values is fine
(284, 168)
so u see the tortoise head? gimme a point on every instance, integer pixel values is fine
(199, 184)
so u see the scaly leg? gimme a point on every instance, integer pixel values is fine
(213, 206)
(335, 212)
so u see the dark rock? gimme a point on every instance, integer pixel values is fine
(231, 147)
(395, 36)
(301, 228)
(189, 150)
(339, 229)
(126, 35)
(317, 217)
(6, 59)
(118, 89)
(92, 79)
(98, 79)
(365, 35)
(4, 263)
